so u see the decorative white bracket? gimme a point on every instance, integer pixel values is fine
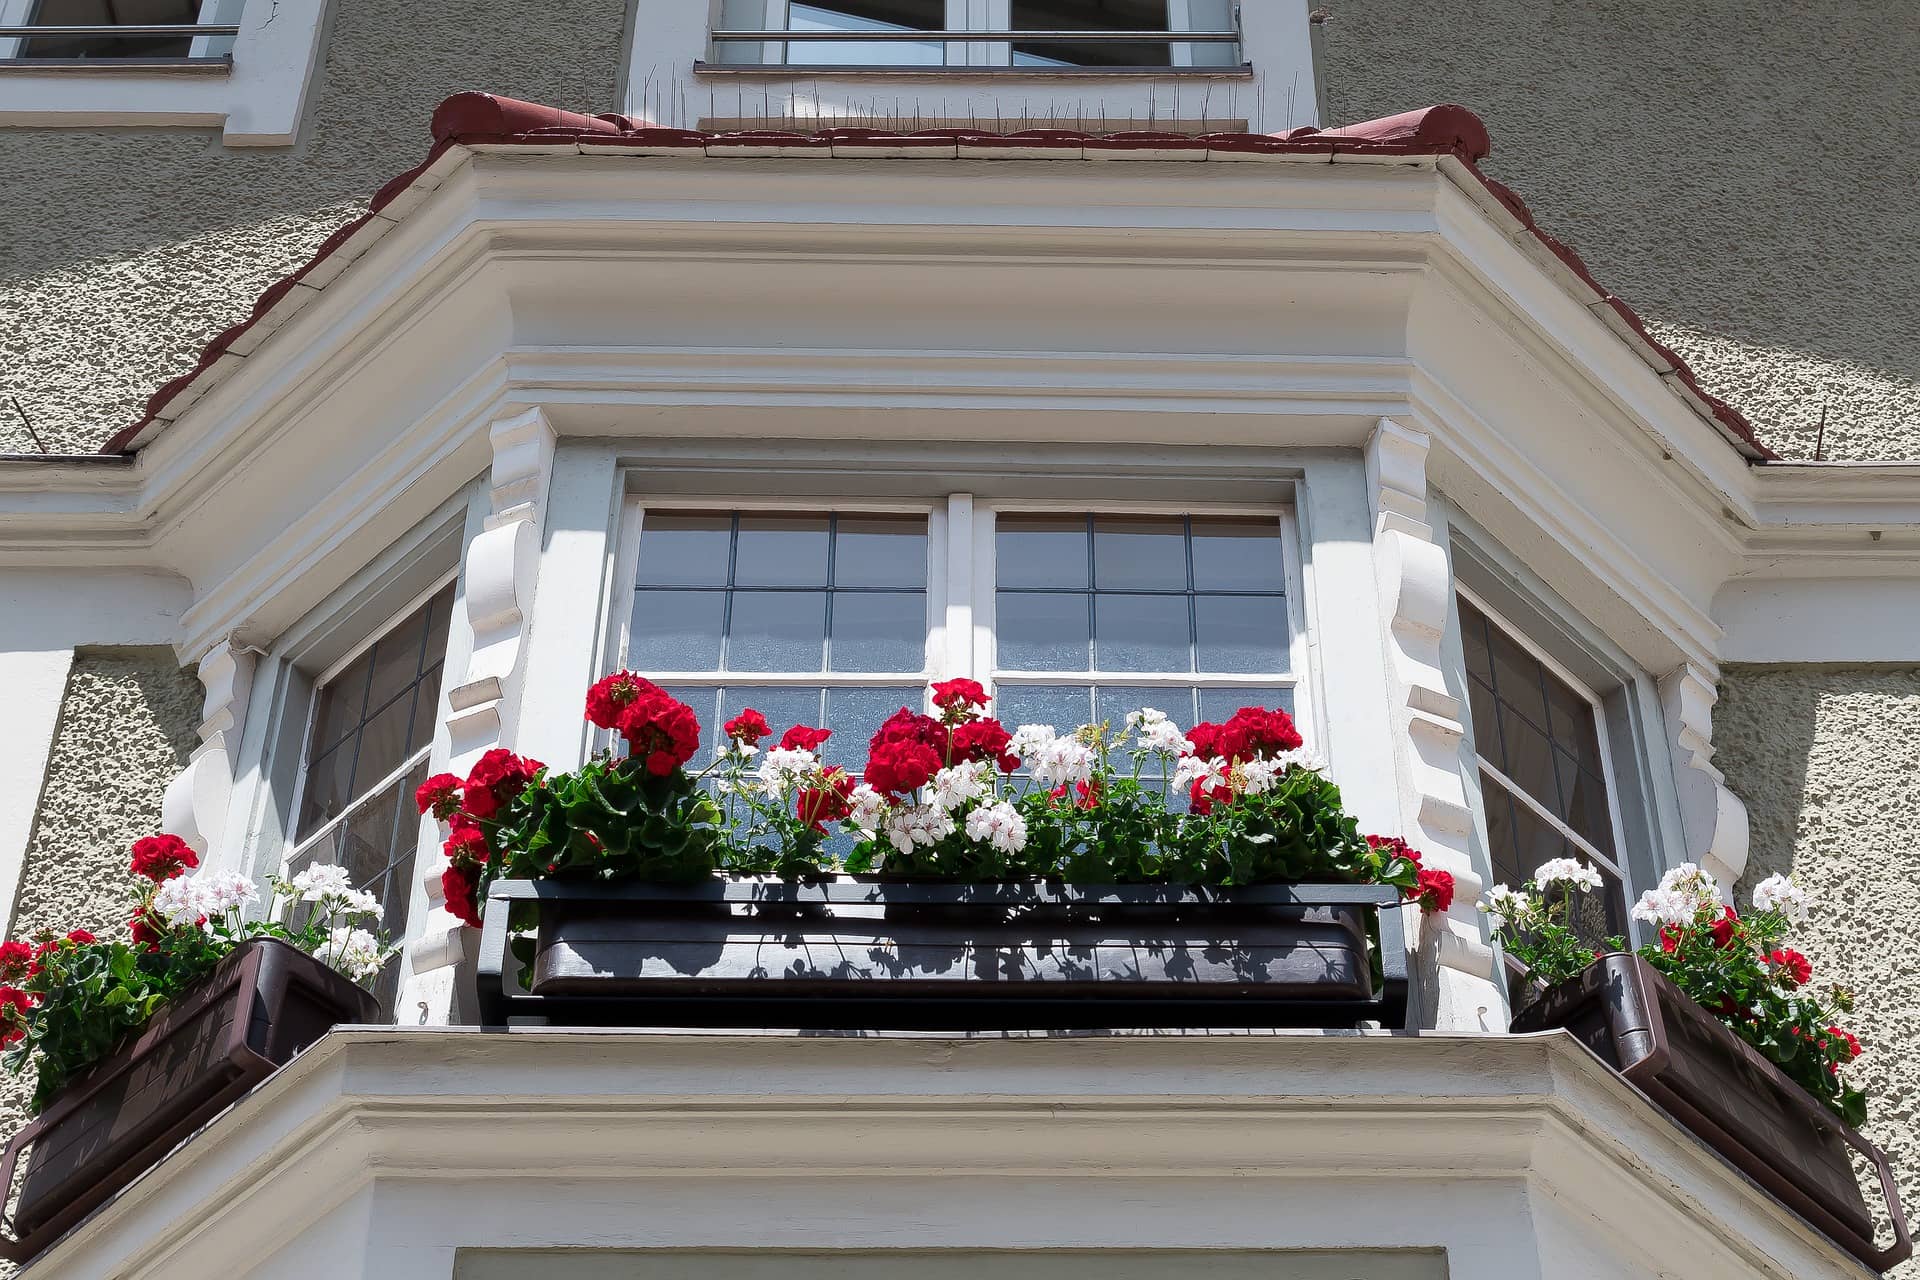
(500, 575)
(195, 804)
(1415, 591)
(1712, 818)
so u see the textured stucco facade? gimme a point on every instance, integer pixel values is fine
(1827, 761)
(127, 722)
(127, 249)
(1730, 167)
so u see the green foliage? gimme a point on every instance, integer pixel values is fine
(608, 820)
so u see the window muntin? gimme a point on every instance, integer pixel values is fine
(1096, 614)
(816, 618)
(884, 24)
(1545, 779)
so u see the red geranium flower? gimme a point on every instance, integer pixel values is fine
(1790, 966)
(1200, 800)
(15, 1000)
(748, 727)
(1252, 732)
(440, 793)
(461, 891)
(496, 778)
(1086, 795)
(817, 806)
(1205, 738)
(81, 936)
(949, 694)
(661, 731)
(1723, 929)
(984, 739)
(466, 843)
(16, 958)
(162, 857)
(1394, 847)
(802, 738)
(896, 768)
(612, 695)
(1434, 891)
(147, 929)
(1844, 1046)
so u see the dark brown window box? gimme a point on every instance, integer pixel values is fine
(201, 1053)
(1725, 1092)
(848, 954)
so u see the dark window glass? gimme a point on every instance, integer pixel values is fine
(1092, 15)
(111, 13)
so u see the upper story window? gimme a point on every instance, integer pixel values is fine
(1545, 775)
(838, 619)
(118, 30)
(1039, 35)
(368, 738)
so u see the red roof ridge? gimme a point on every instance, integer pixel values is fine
(484, 119)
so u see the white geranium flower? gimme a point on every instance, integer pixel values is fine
(999, 825)
(1666, 906)
(1300, 758)
(1157, 732)
(1566, 871)
(1061, 762)
(181, 900)
(1777, 893)
(1210, 772)
(354, 952)
(918, 824)
(1257, 777)
(866, 807)
(229, 891)
(955, 786)
(1030, 739)
(1503, 904)
(783, 769)
(322, 880)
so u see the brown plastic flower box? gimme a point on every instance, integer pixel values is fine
(849, 954)
(202, 1052)
(1726, 1093)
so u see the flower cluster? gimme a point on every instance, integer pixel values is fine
(67, 999)
(1736, 966)
(494, 783)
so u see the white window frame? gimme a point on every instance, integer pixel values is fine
(299, 844)
(257, 98)
(1615, 864)
(961, 593)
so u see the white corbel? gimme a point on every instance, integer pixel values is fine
(1415, 588)
(1712, 819)
(195, 804)
(499, 577)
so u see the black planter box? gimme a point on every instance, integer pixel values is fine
(202, 1052)
(1726, 1093)
(847, 954)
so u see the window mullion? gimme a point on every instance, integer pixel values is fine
(957, 636)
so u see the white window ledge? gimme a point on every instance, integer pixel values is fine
(392, 1152)
(256, 97)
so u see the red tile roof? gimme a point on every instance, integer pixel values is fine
(481, 120)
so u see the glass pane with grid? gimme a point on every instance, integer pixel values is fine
(108, 14)
(1538, 743)
(1176, 612)
(730, 606)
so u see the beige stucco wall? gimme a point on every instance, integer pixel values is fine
(1828, 762)
(1736, 169)
(127, 722)
(126, 250)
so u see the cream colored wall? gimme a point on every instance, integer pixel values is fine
(1733, 168)
(126, 250)
(1828, 762)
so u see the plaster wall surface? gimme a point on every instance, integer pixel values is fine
(127, 249)
(1826, 761)
(1727, 166)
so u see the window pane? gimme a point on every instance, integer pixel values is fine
(329, 785)
(854, 715)
(1241, 633)
(777, 631)
(1218, 704)
(1500, 848)
(77, 13)
(879, 631)
(383, 745)
(1065, 707)
(426, 709)
(883, 551)
(340, 703)
(1486, 725)
(1586, 800)
(1529, 761)
(1516, 678)
(1114, 15)
(684, 550)
(1571, 721)
(783, 708)
(854, 16)
(1040, 551)
(396, 660)
(1042, 631)
(1142, 633)
(1139, 554)
(781, 551)
(1237, 555)
(676, 630)
(1473, 639)
(705, 703)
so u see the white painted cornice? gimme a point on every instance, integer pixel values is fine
(1495, 1148)
(1292, 304)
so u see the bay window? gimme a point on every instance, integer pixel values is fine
(838, 618)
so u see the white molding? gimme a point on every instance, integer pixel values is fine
(257, 101)
(196, 801)
(1713, 819)
(378, 1153)
(1415, 587)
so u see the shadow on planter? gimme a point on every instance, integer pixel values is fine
(1725, 1092)
(260, 1006)
(853, 955)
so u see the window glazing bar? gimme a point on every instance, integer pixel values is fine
(1016, 37)
(109, 32)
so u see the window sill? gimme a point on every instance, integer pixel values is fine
(219, 66)
(755, 71)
